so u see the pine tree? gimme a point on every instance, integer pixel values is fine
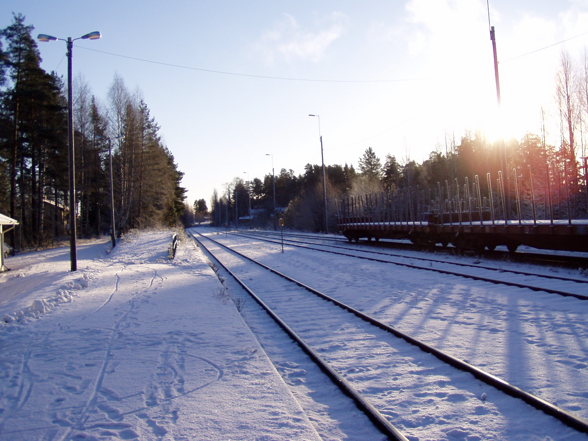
(391, 174)
(33, 106)
(370, 165)
(22, 58)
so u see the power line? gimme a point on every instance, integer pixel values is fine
(557, 43)
(308, 80)
(248, 75)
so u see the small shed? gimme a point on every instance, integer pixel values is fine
(6, 224)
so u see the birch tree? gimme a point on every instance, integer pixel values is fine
(566, 92)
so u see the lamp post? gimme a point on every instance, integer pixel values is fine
(70, 138)
(273, 187)
(247, 184)
(494, 53)
(112, 218)
(585, 160)
(236, 207)
(228, 203)
(324, 174)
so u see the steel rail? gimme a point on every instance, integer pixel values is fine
(531, 257)
(565, 417)
(438, 270)
(372, 413)
(562, 260)
(428, 259)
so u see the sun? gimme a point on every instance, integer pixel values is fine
(506, 123)
(475, 109)
(499, 126)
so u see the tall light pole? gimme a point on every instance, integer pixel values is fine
(494, 52)
(112, 222)
(228, 203)
(112, 211)
(70, 138)
(247, 184)
(236, 208)
(273, 187)
(498, 101)
(324, 174)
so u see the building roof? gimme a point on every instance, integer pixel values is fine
(5, 220)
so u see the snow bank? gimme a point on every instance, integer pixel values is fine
(41, 306)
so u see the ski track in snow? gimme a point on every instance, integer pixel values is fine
(167, 381)
(133, 353)
(114, 290)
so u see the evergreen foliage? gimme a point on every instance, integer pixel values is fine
(300, 197)
(33, 152)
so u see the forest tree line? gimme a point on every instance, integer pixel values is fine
(299, 198)
(34, 149)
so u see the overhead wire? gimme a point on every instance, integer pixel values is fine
(557, 43)
(303, 79)
(249, 75)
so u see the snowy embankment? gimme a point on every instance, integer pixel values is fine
(133, 346)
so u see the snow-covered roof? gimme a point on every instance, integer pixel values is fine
(5, 220)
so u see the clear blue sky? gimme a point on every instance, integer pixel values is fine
(399, 76)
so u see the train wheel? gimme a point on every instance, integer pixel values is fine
(491, 247)
(512, 247)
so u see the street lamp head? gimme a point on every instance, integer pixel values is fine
(92, 36)
(46, 38)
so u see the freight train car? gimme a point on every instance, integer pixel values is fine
(470, 215)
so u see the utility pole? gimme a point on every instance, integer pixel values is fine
(112, 217)
(273, 190)
(324, 174)
(493, 39)
(498, 100)
(324, 188)
(496, 76)
(236, 208)
(70, 140)
(71, 162)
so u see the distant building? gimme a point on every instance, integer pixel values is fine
(6, 224)
(56, 216)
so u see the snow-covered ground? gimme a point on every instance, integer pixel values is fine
(133, 346)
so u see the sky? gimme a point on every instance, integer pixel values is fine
(232, 83)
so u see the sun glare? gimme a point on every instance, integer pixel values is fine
(499, 126)
(506, 123)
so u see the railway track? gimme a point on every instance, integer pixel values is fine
(335, 336)
(545, 258)
(550, 283)
(535, 258)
